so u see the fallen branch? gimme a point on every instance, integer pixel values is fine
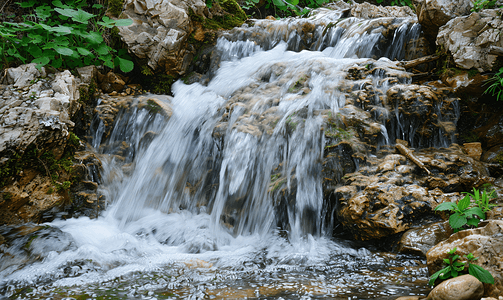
(415, 62)
(408, 153)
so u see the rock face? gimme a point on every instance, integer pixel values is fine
(35, 110)
(366, 10)
(464, 287)
(160, 31)
(432, 14)
(469, 38)
(483, 242)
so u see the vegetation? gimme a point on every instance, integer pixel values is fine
(61, 35)
(483, 4)
(463, 214)
(399, 3)
(455, 266)
(496, 87)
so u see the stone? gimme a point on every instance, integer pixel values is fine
(419, 240)
(23, 75)
(466, 83)
(469, 38)
(432, 14)
(474, 150)
(87, 74)
(160, 31)
(366, 10)
(465, 287)
(484, 242)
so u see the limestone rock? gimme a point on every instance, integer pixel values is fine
(432, 14)
(484, 242)
(474, 150)
(23, 75)
(366, 10)
(419, 240)
(465, 287)
(469, 38)
(160, 31)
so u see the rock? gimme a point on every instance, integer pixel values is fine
(474, 150)
(432, 14)
(366, 10)
(23, 75)
(419, 240)
(491, 135)
(87, 74)
(160, 31)
(484, 242)
(493, 155)
(469, 38)
(466, 83)
(465, 287)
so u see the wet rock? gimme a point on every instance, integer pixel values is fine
(491, 134)
(493, 155)
(160, 31)
(419, 240)
(469, 38)
(432, 14)
(484, 242)
(466, 82)
(474, 150)
(465, 287)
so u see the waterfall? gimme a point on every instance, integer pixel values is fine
(229, 184)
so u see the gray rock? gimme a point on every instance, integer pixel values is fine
(432, 14)
(470, 38)
(160, 31)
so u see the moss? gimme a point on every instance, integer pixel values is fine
(472, 73)
(7, 196)
(115, 7)
(161, 84)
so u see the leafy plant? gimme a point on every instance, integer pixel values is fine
(482, 199)
(61, 35)
(399, 3)
(496, 87)
(455, 266)
(462, 213)
(483, 4)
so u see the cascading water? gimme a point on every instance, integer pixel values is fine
(226, 200)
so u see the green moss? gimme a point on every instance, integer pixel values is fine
(472, 73)
(115, 7)
(161, 84)
(7, 196)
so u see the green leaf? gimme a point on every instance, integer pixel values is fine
(456, 220)
(481, 274)
(446, 206)
(35, 38)
(97, 6)
(43, 12)
(84, 51)
(94, 37)
(473, 222)
(64, 51)
(475, 211)
(27, 4)
(447, 261)
(435, 276)
(464, 203)
(123, 22)
(41, 61)
(34, 50)
(76, 15)
(278, 3)
(125, 65)
(102, 49)
(57, 63)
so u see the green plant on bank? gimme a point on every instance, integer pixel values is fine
(483, 4)
(285, 8)
(482, 199)
(462, 213)
(496, 87)
(399, 3)
(455, 266)
(61, 35)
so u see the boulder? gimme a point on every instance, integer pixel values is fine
(484, 242)
(419, 240)
(465, 287)
(469, 39)
(432, 14)
(366, 10)
(160, 31)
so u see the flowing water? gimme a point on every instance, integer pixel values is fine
(226, 200)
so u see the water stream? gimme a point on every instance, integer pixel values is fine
(226, 200)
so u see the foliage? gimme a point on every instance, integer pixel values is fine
(496, 87)
(399, 3)
(483, 4)
(482, 199)
(455, 266)
(462, 213)
(61, 35)
(285, 8)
